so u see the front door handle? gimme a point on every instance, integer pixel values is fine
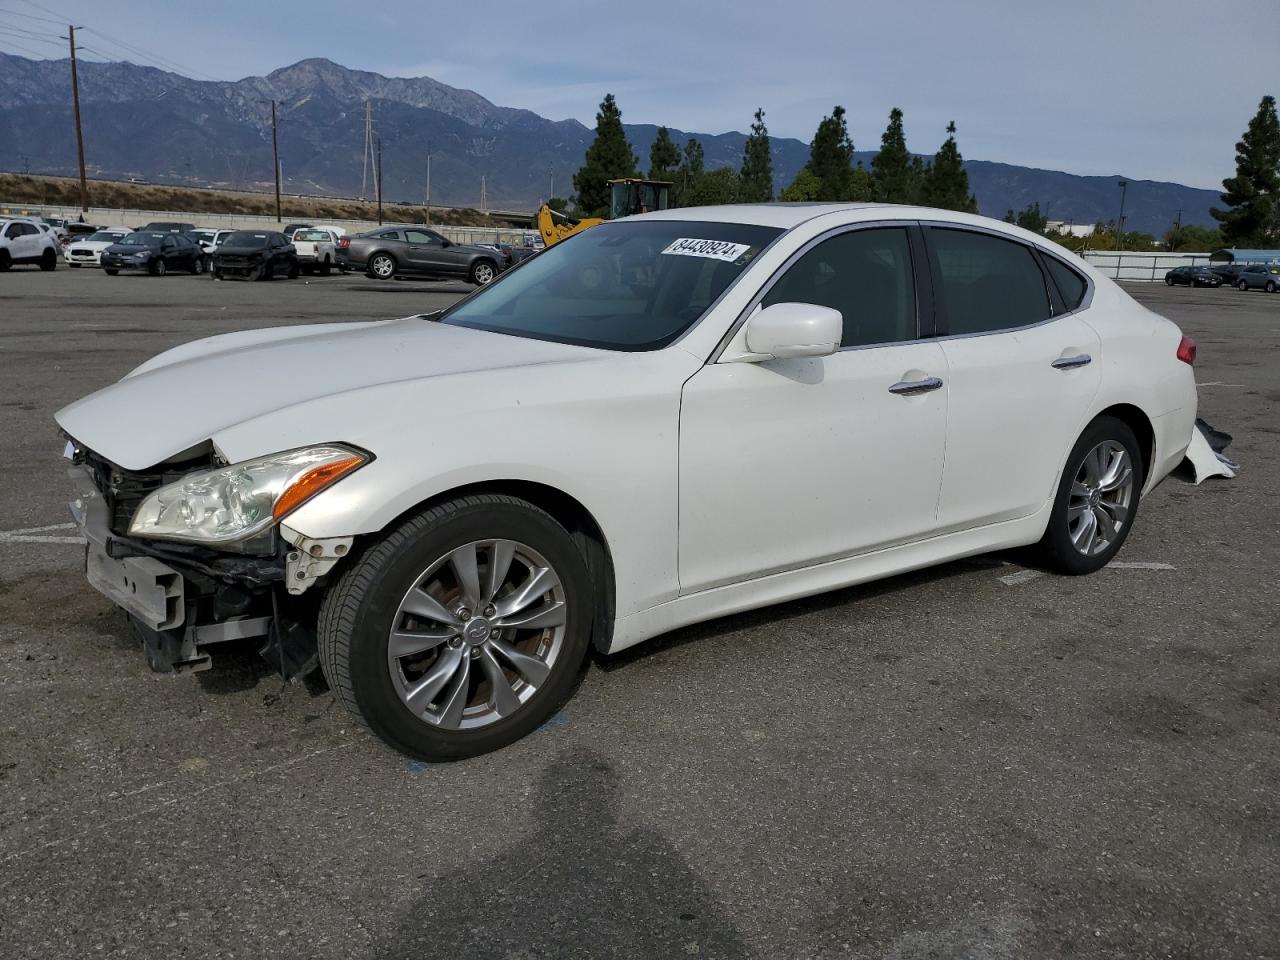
(1070, 363)
(911, 388)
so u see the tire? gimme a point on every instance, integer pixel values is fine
(360, 609)
(5, 261)
(110, 273)
(483, 272)
(1058, 550)
(1243, 285)
(325, 267)
(216, 274)
(157, 267)
(267, 271)
(294, 270)
(48, 261)
(1271, 286)
(1168, 281)
(382, 266)
(197, 266)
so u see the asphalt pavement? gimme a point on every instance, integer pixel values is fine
(974, 761)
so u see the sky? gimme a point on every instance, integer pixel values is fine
(1158, 91)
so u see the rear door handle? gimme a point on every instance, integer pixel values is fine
(910, 388)
(1070, 363)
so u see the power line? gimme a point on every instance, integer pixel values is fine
(20, 13)
(29, 36)
(17, 46)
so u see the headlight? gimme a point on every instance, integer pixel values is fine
(238, 501)
(142, 253)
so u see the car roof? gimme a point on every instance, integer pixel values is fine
(790, 215)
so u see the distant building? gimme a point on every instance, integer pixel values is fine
(1070, 228)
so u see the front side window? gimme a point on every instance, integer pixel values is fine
(618, 286)
(866, 275)
(13, 230)
(421, 236)
(986, 283)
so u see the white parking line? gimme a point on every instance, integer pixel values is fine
(1140, 565)
(1022, 576)
(39, 534)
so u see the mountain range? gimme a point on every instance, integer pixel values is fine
(140, 121)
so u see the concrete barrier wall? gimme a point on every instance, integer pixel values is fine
(1141, 265)
(109, 216)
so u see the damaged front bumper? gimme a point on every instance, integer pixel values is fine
(183, 599)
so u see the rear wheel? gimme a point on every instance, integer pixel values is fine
(462, 630)
(48, 260)
(293, 270)
(325, 267)
(1097, 499)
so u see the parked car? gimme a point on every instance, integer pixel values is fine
(205, 239)
(317, 250)
(666, 419)
(153, 252)
(1192, 277)
(255, 255)
(1228, 273)
(290, 228)
(22, 241)
(167, 226)
(80, 231)
(1259, 276)
(87, 251)
(388, 252)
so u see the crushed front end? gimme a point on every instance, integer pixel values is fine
(183, 598)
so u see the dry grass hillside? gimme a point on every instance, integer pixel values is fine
(65, 191)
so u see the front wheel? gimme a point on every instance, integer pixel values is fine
(483, 272)
(462, 630)
(158, 267)
(1097, 499)
(1243, 285)
(109, 272)
(1168, 281)
(382, 267)
(1271, 286)
(197, 266)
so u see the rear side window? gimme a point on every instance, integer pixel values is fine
(1071, 285)
(987, 283)
(866, 275)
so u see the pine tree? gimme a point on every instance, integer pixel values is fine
(1252, 196)
(664, 156)
(946, 184)
(689, 172)
(757, 165)
(608, 158)
(831, 158)
(891, 168)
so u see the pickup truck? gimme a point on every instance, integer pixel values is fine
(317, 250)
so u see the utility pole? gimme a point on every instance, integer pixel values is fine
(428, 181)
(553, 185)
(1124, 189)
(275, 158)
(75, 99)
(1177, 232)
(377, 180)
(482, 199)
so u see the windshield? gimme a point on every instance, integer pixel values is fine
(621, 286)
(143, 239)
(106, 236)
(243, 238)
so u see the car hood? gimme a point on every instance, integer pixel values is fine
(91, 244)
(188, 395)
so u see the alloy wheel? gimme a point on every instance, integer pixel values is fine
(1101, 495)
(383, 267)
(477, 634)
(484, 273)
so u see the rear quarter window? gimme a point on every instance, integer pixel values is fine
(1070, 284)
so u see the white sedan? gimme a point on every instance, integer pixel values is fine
(87, 252)
(661, 420)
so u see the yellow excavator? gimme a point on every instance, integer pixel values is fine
(626, 197)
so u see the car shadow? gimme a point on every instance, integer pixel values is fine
(588, 879)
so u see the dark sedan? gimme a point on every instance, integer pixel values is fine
(155, 253)
(1259, 276)
(1192, 277)
(391, 251)
(1228, 273)
(255, 255)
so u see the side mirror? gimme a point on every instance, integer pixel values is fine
(786, 330)
(446, 242)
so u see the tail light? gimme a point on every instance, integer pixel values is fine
(1187, 351)
(344, 243)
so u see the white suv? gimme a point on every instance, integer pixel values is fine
(22, 241)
